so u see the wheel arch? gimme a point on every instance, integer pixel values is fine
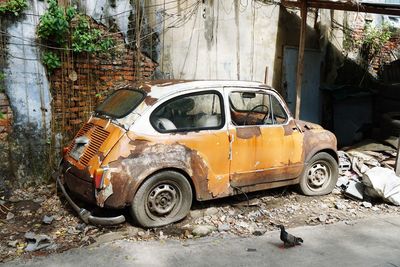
(329, 151)
(147, 176)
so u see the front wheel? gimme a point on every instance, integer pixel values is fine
(319, 176)
(164, 198)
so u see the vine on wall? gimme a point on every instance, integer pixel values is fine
(13, 7)
(64, 29)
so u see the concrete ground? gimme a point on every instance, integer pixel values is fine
(370, 242)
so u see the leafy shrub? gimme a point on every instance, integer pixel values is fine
(86, 39)
(51, 61)
(14, 7)
(54, 24)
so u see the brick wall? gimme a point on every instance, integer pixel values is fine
(84, 80)
(6, 120)
(386, 54)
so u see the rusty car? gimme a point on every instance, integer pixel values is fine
(155, 146)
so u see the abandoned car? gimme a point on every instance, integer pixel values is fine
(155, 146)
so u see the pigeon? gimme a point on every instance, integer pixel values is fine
(288, 239)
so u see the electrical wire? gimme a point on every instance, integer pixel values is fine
(178, 22)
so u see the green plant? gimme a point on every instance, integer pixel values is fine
(374, 39)
(51, 61)
(54, 24)
(58, 25)
(86, 39)
(14, 7)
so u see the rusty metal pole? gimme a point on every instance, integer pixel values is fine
(397, 166)
(300, 60)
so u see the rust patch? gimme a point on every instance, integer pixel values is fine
(248, 132)
(266, 176)
(289, 128)
(263, 186)
(150, 100)
(200, 174)
(147, 158)
(80, 188)
(317, 140)
(163, 83)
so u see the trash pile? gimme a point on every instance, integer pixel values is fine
(368, 175)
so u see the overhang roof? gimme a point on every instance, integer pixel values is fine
(361, 6)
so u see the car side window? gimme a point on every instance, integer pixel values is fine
(279, 115)
(189, 112)
(249, 108)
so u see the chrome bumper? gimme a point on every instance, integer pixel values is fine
(86, 215)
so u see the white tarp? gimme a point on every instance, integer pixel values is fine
(382, 182)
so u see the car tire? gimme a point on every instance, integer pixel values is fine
(319, 176)
(164, 198)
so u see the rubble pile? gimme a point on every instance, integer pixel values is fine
(38, 220)
(368, 175)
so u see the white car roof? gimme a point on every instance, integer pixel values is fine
(160, 89)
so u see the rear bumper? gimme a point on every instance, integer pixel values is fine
(84, 214)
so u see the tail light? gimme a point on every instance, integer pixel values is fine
(98, 178)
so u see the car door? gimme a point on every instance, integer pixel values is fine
(197, 121)
(265, 144)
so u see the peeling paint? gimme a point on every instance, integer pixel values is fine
(248, 132)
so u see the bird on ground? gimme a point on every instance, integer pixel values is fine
(288, 239)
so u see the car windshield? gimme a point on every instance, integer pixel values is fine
(120, 103)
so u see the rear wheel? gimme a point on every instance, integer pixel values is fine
(164, 198)
(320, 175)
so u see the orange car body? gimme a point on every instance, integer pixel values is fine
(117, 155)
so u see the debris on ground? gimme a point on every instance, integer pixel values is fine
(382, 183)
(203, 230)
(47, 219)
(37, 242)
(44, 211)
(366, 171)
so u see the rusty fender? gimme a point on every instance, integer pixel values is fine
(318, 140)
(147, 158)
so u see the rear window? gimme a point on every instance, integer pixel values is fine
(120, 103)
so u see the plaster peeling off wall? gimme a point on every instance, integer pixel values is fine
(28, 90)
(122, 13)
(110, 11)
(219, 39)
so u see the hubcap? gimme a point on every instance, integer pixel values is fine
(318, 175)
(162, 199)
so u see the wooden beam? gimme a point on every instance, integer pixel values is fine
(300, 60)
(346, 6)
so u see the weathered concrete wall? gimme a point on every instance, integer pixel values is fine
(31, 146)
(232, 40)
(27, 88)
(219, 40)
